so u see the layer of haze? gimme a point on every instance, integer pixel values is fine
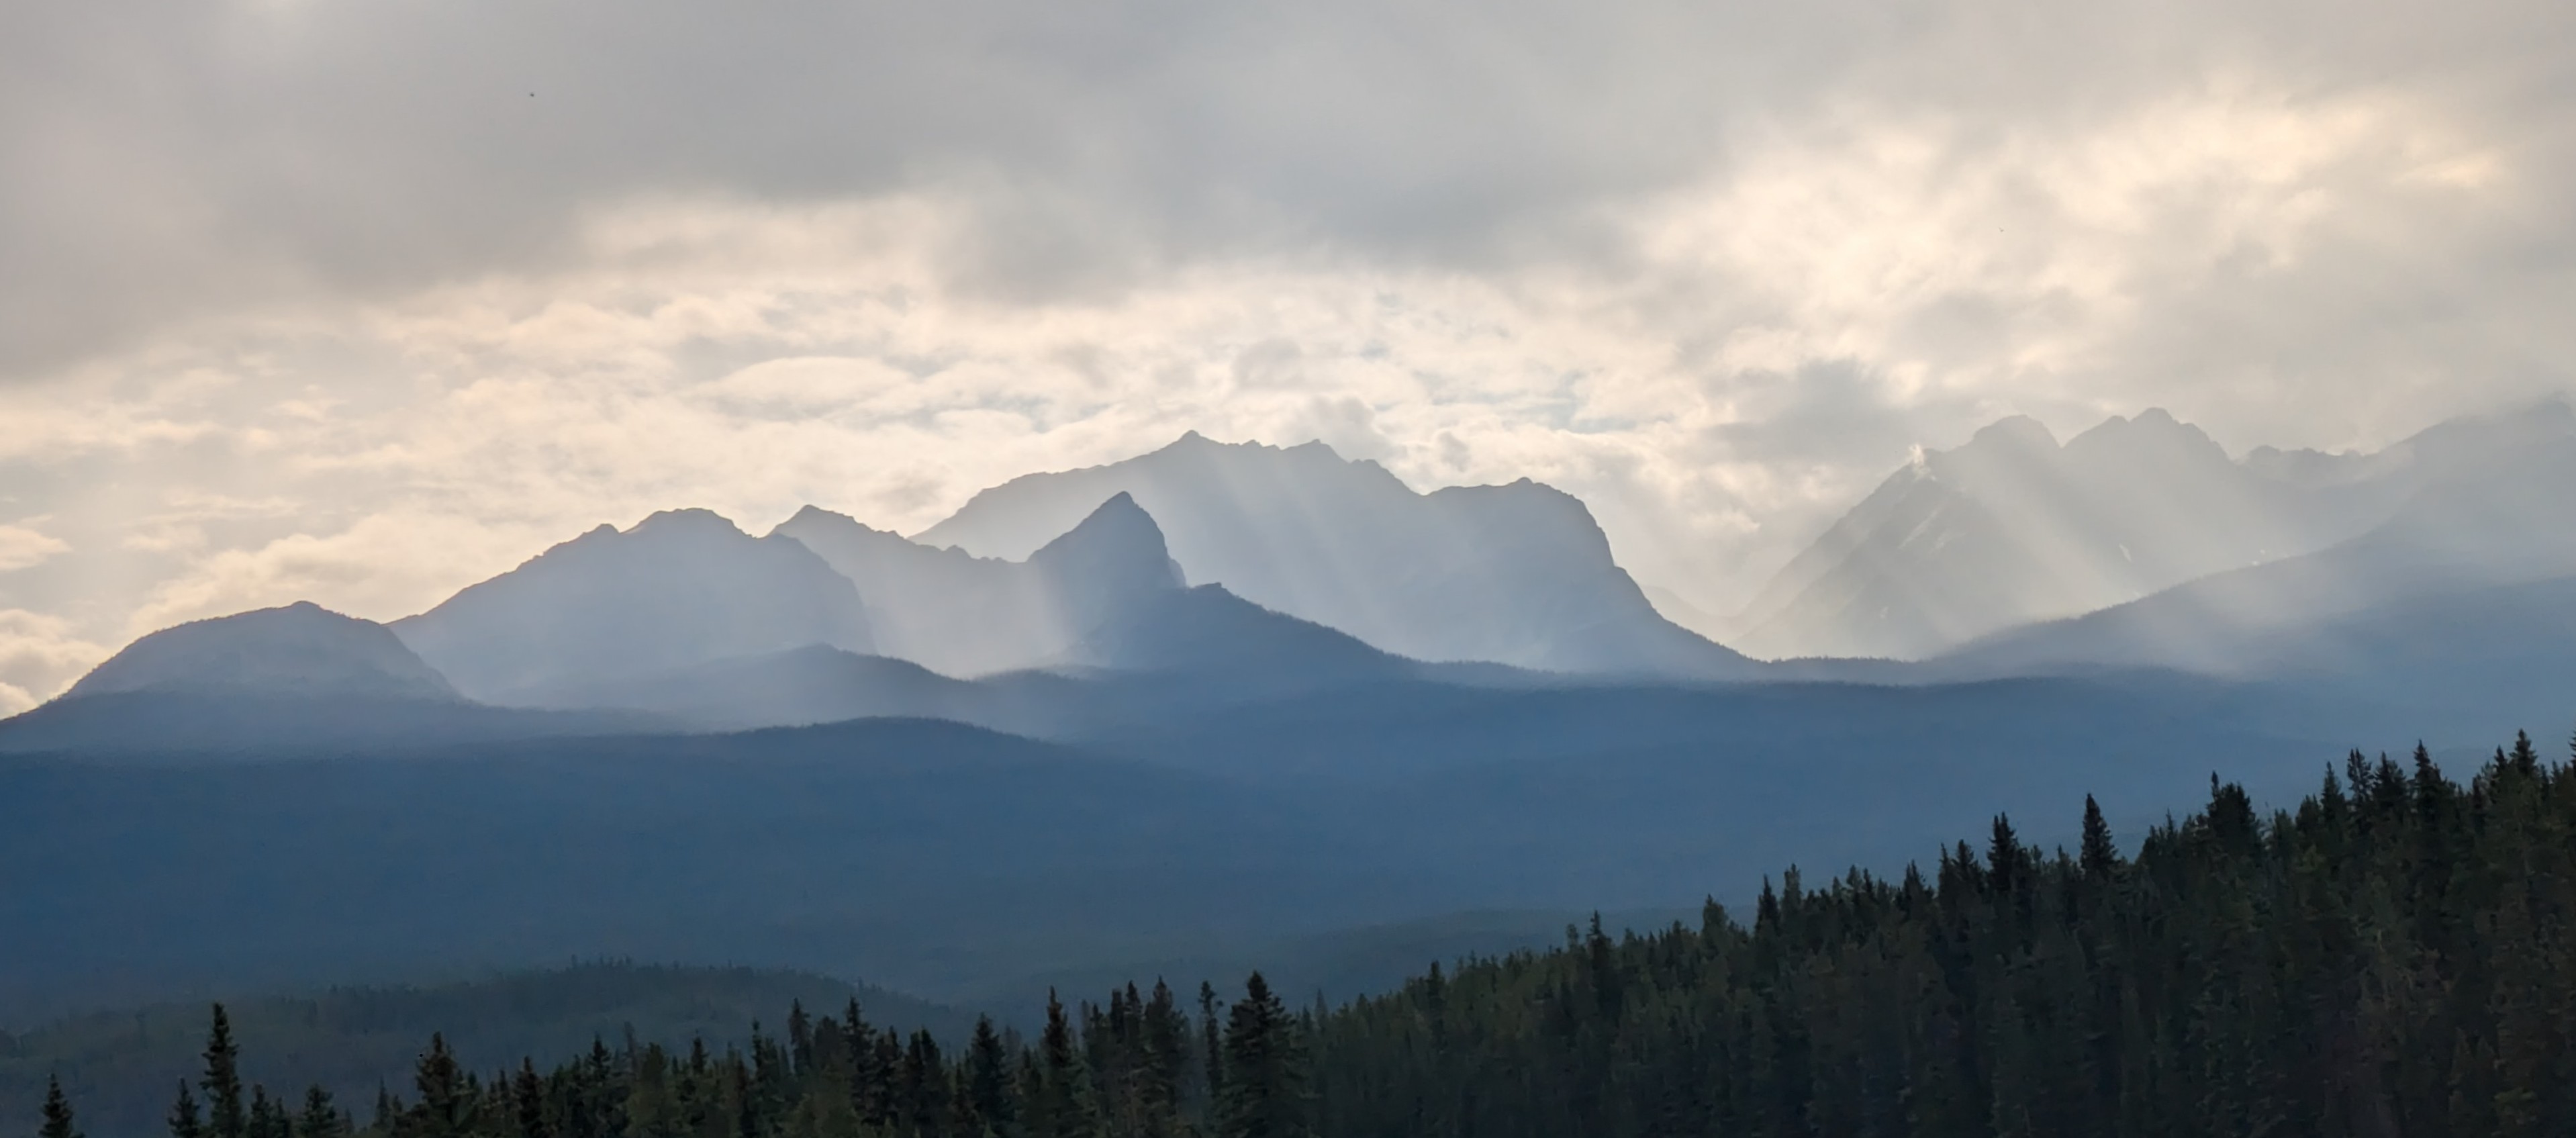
(362, 302)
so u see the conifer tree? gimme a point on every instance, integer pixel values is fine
(1263, 1091)
(528, 1098)
(184, 1119)
(266, 1119)
(987, 1080)
(2098, 855)
(1057, 1105)
(58, 1112)
(320, 1119)
(227, 1116)
(449, 1101)
(800, 1035)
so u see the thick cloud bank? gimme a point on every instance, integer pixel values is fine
(362, 302)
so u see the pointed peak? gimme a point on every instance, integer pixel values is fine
(1120, 512)
(1118, 530)
(813, 513)
(813, 519)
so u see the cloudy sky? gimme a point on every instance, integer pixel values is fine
(361, 302)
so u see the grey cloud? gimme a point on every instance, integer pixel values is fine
(171, 159)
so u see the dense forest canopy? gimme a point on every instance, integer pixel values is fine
(2392, 957)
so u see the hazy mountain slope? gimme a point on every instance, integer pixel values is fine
(198, 725)
(1178, 653)
(1107, 636)
(964, 615)
(1516, 574)
(681, 588)
(298, 650)
(2012, 529)
(944, 609)
(2464, 600)
(293, 678)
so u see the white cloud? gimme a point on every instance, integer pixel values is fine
(21, 547)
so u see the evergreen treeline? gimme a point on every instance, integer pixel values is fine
(2392, 958)
(119, 1065)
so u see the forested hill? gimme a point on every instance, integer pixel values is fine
(2393, 957)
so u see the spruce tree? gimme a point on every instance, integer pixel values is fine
(2099, 855)
(266, 1119)
(58, 1112)
(320, 1119)
(528, 1100)
(987, 1080)
(1058, 1105)
(449, 1100)
(227, 1116)
(184, 1119)
(1263, 1092)
(1164, 1071)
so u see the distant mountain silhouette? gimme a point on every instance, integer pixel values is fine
(301, 649)
(2012, 528)
(281, 679)
(682, 588)
(963, 615)
(1516, 574)
(1102, 606)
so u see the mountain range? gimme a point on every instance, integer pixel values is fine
(1206, 574)
(2013, 529)
(1257, 694)
(1518, 575)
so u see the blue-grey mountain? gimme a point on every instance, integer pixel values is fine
(2013, 529)
(680, 589)
(1517, 574)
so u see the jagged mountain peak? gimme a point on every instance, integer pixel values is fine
(2151, 435)
(1515, 574)
(2007, 529)
(813, 515)
(963, 615)
(1118, 541)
